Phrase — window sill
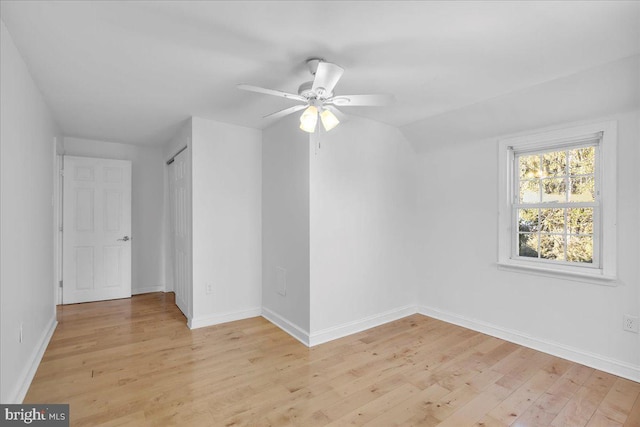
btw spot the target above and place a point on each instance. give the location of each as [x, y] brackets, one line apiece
[595, 277]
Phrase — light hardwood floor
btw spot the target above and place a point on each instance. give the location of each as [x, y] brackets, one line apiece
[134, 362]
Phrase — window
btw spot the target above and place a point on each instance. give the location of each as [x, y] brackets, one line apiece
[557, 203]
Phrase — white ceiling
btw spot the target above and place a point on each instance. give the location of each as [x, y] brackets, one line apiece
[132, 72]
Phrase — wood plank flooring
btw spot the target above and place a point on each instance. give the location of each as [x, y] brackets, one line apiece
[135, 362]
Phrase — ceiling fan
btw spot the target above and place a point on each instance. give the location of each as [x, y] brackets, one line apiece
[318, 99]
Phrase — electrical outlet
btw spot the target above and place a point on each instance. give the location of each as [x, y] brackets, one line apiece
[209, 289]
[630, 323]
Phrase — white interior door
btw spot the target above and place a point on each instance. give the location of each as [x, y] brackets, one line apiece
[96, 229]
[181, 229]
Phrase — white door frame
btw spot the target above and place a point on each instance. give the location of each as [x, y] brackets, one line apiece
[56, 203]
[57, 228]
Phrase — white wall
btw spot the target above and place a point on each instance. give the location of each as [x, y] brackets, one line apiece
[461, 283]
[362, 219]
[285, 225]
[226, 211]
[147, 203]
[26, 217]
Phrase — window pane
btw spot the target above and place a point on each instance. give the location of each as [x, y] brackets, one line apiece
[582, 189]
[529, 166]
[580, 220]
[552, 247]
[552, 220]
[528, 245]
[530, 191]
[580, 249]
[582, 161]
[554, 164]
[528, 220]
[554, 190]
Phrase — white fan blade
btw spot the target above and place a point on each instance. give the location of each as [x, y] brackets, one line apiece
[339, 114]
[327, 75]
[285, 112]
[378, 100]
[272, 92]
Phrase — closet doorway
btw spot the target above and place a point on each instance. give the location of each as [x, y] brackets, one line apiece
[180, 206]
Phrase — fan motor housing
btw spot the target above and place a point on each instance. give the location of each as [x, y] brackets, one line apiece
[306, 90]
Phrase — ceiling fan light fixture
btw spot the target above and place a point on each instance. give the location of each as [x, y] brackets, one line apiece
[316, 97]
[329, 120]
[309, 119]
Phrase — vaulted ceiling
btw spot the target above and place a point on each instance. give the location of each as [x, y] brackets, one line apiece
[132, 72]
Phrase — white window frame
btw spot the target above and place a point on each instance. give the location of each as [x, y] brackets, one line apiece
[605, 176]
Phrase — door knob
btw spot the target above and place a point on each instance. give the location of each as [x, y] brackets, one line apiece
[125, 239]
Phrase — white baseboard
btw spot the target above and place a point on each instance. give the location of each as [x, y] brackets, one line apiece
[340, 331]
[24, 382]
[216, 319]
[596, 361]
[148, 290]
[290, 328]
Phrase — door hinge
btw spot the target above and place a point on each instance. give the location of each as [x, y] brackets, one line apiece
[62, 172]
[60, 283]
